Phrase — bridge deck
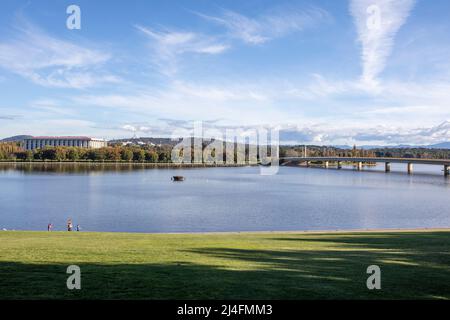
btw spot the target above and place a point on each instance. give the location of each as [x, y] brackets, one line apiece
[366, 159]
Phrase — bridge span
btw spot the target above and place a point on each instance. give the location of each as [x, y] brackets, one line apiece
[359, 161]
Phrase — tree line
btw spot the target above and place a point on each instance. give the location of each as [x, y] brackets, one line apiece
[13, 151]
[115, 153]
[324, 151]
[420, 153]
[111, 153]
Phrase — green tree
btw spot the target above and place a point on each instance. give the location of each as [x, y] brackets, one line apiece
[96, 154]
[163, 156]
[90, 155]
[29, 155]
[73, 154]
[113, 154]
[38, 155]
[48, 154]
[138, 155]
[60, 153]
[354, 151]
[126, 154]
[24, 155]
[151, 156]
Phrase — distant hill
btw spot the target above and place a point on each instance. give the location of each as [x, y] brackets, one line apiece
[399, 146]
[342, 146]
[19, 138]
[146, 140]
[443, 145]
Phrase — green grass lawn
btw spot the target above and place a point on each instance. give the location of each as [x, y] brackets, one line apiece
[225, 266]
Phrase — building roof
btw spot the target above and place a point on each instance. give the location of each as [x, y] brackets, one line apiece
[62, 138]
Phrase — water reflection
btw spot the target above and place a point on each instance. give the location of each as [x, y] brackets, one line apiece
[76, 167]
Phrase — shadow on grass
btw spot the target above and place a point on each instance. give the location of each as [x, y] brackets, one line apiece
[413, 266]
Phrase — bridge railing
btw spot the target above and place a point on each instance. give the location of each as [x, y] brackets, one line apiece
[359, 161]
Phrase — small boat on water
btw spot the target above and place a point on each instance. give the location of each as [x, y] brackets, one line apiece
[177, 178]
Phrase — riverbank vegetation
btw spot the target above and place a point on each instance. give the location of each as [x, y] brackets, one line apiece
[161, 153]
[324, 151]
[12, 151]
[112, 153]
[414, 265]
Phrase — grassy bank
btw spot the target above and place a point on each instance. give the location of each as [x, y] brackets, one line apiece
[413, 264]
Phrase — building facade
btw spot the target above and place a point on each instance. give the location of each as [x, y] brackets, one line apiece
[81, 142]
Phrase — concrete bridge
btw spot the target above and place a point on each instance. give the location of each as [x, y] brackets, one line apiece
[359, 161]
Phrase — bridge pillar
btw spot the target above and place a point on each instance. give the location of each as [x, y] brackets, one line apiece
[359, 165]
[339, 165]
[326, 164]
[410, 168]
[446, 170]
[387, 167]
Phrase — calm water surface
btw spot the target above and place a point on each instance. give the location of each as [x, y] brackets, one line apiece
[126, 198]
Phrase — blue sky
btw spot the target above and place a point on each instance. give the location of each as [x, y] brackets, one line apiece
[314, 69]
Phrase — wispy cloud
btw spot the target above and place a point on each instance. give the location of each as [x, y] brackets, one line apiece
[52, 62]
[56, 126]
[9, 117]
[377, 23]
[268, 26]
[183, 98]
[52, 107]
[167, 46]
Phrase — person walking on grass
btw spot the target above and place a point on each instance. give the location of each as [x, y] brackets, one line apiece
[78, 227]
[69, 225]
[49, 227]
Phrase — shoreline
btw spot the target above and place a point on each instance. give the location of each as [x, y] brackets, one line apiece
[337, 231]
[150, 164]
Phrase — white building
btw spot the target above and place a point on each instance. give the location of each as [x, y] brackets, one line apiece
[81, 142]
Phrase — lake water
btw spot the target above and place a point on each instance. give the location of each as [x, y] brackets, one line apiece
[132, 199]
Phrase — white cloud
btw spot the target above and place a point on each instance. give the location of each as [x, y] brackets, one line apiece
[324, 134]
[52, 62]
[419, 136]
[46, 107]
[58, 126]
[167, 46]
[343, 103]
[312, 133]
[135, 128]
[377, 35]
[266, 27]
